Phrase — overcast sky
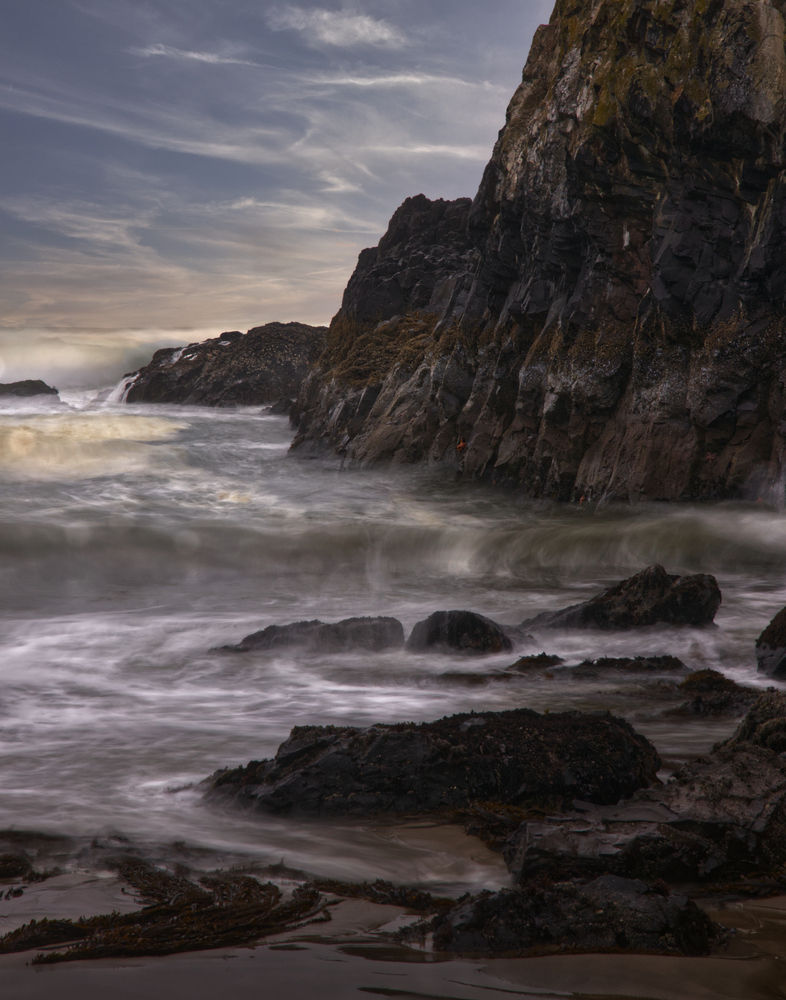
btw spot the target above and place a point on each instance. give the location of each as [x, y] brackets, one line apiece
[201, 165]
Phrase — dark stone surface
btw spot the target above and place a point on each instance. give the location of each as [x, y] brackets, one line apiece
[27, 387]
[538, 661]
[771, 647]
[607, 914]
[458, 632]
[632, 664]
[235, 369]
[352, 634]
[618, 330]
[517, 757]
[713, 694]
[721, 821]
[647, 598]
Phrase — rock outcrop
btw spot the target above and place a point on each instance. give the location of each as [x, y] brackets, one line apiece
[647, 598]
[262, 366]
[347, 636]
[607, 914]
[720, 821]
[27, 387]
[614, 325]
[517, 757]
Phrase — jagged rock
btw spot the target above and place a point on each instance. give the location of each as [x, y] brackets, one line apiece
[713, 694]
[720, 821]
[352, 634]
[771, 647]
[644, 599]
[538, 661]
[233, 369]
[608, 914]
[458, 632]
[517, 757]
[27, 387]
[630, 664]
[616, 328]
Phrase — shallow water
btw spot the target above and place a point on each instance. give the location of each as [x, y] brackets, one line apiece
[135, 539]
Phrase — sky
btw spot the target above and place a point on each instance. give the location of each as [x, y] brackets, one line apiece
[173, 169]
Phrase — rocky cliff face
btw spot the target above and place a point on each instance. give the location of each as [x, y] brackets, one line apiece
[611, 321]
[235, 369]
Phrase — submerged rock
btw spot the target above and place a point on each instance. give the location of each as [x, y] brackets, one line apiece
[516, 757]
[720, 821]
[647, 598]
[234, 369]
[771, 647]
[713, 694]
[458, 632]
[631, 664]
[370, 634]
[607, 914]
[537, 661]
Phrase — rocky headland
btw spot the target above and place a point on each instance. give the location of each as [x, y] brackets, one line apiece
[606, 317]
[265, 365]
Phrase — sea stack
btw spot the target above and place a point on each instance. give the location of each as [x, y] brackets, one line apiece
[606, 318]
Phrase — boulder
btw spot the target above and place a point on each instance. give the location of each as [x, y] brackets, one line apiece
[372, 635]
[607, 914]
[631, 664]
[765, 724]
[771, 647]
[458, 632]
[537, 661]
[647, 598]
[517, 757]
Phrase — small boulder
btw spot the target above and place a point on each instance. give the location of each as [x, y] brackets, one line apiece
[371, 635]
[647, 598]
[458, 632]
[515, 757]
[27, 387]
[538, 661]
[608, 914]
[765, 723]
[632, 664]
[771, 647]
[711, 693]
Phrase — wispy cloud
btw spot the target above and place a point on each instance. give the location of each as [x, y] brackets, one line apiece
[339, 28]
[169, 52]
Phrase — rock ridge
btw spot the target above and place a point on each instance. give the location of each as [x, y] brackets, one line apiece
[610, 323]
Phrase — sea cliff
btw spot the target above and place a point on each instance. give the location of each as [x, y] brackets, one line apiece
[606, 317]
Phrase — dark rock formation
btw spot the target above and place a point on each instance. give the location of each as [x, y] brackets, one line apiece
[630, 664]
[350, 635]
[234, 369]
[713, 694]
[518, 757]
[28, 387]
[771, 647]
[644, 599]
[458, 632]
[607, 914]
[721, 821]
[620, 330]
[539, 661]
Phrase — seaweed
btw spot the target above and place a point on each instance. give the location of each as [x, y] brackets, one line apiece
[224, 910]
[380, 891]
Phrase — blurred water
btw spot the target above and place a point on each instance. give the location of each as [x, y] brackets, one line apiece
[134, 539]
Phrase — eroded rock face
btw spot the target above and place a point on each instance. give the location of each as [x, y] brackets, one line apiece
[350, 635]
[235, 369]
[607, 914]
[644, 599]
[620, 331]
[517, 757]
[771, 647]
[458, 632]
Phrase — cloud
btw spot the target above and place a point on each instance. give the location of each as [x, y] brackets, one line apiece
[339, 28]
[170, 52]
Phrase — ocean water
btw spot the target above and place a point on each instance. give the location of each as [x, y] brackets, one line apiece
[134, 539]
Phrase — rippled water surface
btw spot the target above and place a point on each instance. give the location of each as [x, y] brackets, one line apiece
[135, 539]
